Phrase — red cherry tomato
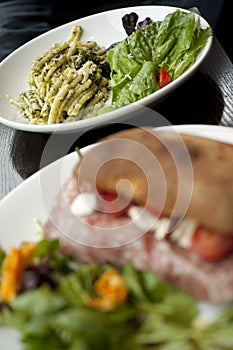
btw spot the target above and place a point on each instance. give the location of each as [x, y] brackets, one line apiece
[164, 78]
[113, 204]
[211, 245]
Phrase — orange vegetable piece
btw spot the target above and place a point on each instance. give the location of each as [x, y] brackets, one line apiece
[11, 274]
[13, 270]
[111, 288]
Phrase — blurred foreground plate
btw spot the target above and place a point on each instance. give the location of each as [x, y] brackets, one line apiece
[35, 197]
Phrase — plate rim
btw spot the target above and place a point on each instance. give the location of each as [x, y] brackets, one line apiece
[192, 128]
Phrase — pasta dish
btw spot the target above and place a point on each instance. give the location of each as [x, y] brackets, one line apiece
[67, 83]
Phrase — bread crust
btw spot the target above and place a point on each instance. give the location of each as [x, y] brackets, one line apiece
[157, 163]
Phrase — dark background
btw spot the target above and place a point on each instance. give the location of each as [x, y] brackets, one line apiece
[21, 21]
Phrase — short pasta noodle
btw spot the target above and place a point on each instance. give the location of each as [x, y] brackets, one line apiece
[66, 83]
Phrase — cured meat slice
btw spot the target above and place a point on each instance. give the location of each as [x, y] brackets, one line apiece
[100, 237]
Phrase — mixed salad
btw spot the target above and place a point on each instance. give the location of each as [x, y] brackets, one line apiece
[154, 54]
[55, 303]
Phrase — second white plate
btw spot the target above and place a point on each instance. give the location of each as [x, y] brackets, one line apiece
[26, 202]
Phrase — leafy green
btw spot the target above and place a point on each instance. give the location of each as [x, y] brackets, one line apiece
[141, 85]
[2, 256]
[37, 302]
[79, 153]
[50, 250]
[172, 44]
[155, 315]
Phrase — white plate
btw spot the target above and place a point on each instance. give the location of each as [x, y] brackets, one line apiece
[105, 28]
[26, 202]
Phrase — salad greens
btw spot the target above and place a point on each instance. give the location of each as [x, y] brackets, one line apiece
[2, 256]
[92, 307]
[172, 44]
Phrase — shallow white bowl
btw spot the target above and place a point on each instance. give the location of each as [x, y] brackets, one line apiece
[105, 28]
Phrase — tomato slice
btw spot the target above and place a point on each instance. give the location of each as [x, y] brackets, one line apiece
[211, 245]
[164, 78]
[113, 204]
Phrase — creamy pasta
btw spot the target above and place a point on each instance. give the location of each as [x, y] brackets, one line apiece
[67, 83]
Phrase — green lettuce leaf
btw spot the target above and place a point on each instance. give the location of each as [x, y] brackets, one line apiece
[139, 86]
[172, 44]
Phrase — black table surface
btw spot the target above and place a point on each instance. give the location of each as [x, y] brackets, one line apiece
[205, 98]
